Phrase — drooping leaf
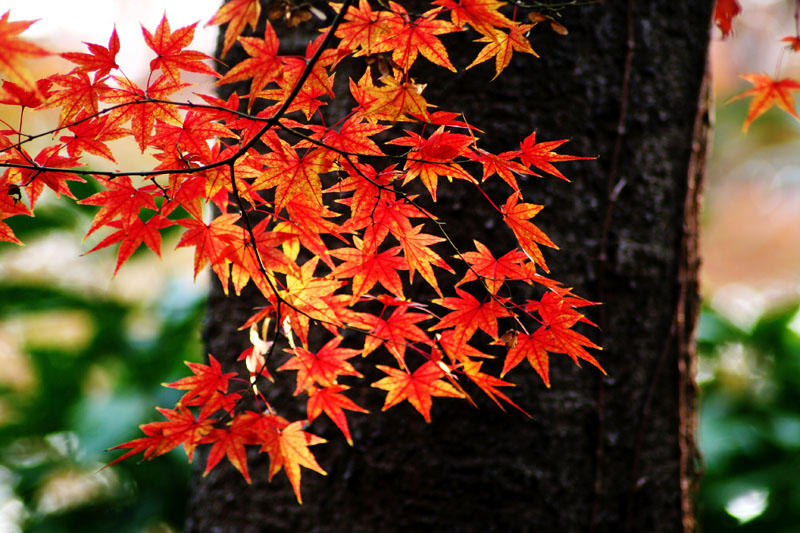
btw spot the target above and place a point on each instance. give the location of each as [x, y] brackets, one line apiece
[766, 93]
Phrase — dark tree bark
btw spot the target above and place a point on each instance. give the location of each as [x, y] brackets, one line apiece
[605, 454]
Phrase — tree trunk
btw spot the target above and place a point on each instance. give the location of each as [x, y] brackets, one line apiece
[605, 454]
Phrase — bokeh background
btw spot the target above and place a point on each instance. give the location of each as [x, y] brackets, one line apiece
[82, 353]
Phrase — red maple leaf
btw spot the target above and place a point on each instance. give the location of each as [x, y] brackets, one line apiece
[419, 255]
[794, 43]
[534, 347]
[469, 314]
[493, 271]
[482, 15]
[396, 332]
[417, 388]
[10, 207]
[90, 134]
[367, 267]
[489, 384]
[353, 136]
[34, 181]
[13, 94]
[434, 157]
[724, 13]
[323, 367]
[78, 92]
[120, 199]
[101, 60]
[141, 112]
[181, 427]
[192, 135]
[230, 442]
[500, 164]
[132, 236]
[541, 155]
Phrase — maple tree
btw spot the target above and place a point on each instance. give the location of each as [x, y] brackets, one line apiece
[326, 228]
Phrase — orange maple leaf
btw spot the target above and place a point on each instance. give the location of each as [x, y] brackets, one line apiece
[482, 15]
[172, 58]
[364, 30]
[516, 215]
[207, 380]
[263, 65]
[419, 255]
[288, 448]
[230, 442]
[408, 39]
[12, 62]
[391, 101]
[291, 174]
[766, 93]
[78, 92]
[330, 401]
[417, 388]
[181, 427]
[502, 45]
[238, 13]
[322, 367]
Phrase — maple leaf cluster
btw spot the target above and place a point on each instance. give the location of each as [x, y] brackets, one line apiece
[329, 217]
[767, 91]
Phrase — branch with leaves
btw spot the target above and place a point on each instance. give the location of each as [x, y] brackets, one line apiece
[332, 229]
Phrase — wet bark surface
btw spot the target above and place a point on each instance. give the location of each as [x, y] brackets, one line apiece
[605, 454]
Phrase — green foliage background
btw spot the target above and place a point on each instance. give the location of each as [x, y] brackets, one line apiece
[89, 396]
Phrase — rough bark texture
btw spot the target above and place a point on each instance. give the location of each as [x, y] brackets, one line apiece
[600, 454]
